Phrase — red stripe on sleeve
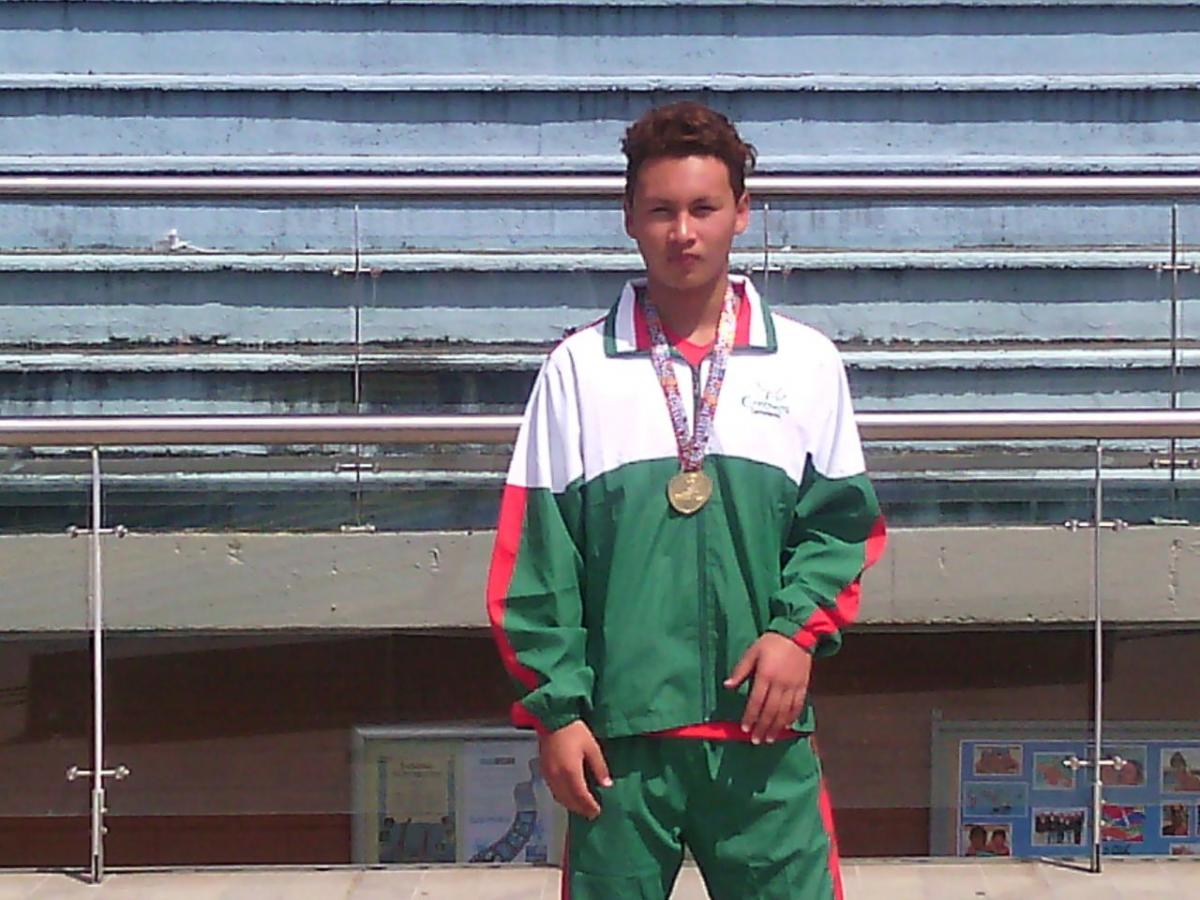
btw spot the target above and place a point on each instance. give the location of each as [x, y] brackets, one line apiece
[523, 718]
[828, 620]
[504, 561]
[819, 624]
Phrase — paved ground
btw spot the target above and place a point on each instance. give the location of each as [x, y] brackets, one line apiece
[1000, 880]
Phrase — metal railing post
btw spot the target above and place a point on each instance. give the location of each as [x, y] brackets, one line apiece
[1096, 760]
[1098, 652]
[96, 583]
[95, 594]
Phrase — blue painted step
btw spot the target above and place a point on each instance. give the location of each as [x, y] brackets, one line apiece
[609, 38]
[420, 124]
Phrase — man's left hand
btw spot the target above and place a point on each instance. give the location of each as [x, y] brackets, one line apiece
[781, 669]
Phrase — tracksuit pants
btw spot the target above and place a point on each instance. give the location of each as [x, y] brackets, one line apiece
[756, 819]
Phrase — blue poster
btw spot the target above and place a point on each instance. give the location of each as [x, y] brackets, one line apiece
[1018, 798]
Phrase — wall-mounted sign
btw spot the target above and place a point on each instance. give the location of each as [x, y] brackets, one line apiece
[451, 795]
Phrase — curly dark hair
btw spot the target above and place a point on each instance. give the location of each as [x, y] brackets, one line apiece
[683, 129]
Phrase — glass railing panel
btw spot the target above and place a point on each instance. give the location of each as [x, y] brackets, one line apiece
[316, 748]
[971, 660]
[317, 686]
[45, 668]
[932, 737]
[1152, 720]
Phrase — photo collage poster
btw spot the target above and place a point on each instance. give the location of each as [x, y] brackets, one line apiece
[1017, 798]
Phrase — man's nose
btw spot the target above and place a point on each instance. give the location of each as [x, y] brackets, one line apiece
[682, 228]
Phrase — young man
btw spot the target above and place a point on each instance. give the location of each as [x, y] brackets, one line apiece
[683, 529]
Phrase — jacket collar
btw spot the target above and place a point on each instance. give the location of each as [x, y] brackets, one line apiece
[621, 332]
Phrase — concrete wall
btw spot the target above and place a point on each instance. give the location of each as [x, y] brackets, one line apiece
[953, 576]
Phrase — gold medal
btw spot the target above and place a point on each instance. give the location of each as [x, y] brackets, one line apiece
[689, 491]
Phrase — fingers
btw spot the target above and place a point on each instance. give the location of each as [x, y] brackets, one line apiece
[569, 788]
[744, 667]
[767, 715]
[781, 672]
[785, 715]
[754, 706]
[778, 708]
[567, 768]
[579, 797]
[596, 762]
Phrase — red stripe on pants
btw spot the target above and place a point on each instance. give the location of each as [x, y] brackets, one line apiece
[835, 864]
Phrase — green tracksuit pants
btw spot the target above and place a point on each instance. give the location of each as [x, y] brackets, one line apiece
[755, 818]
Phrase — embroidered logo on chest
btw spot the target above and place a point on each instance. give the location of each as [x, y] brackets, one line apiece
[766, 401]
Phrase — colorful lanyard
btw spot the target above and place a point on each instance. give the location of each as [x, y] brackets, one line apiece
[693, 449]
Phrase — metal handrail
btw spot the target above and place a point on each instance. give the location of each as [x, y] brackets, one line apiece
[100, 431]
[522, 186]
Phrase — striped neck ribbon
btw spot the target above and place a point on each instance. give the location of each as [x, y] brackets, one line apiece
[692, 449]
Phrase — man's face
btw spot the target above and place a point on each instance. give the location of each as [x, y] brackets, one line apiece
[684, 216]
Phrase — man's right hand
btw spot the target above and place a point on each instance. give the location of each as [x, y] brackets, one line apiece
[564, 755]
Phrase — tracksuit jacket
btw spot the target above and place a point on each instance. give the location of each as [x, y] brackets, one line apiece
[605, 603]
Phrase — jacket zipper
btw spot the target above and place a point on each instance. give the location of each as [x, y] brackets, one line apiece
[702, 580]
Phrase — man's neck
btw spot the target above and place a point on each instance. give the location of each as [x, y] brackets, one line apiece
[692, 315]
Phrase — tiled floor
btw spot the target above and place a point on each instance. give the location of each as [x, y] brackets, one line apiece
[1002, 880]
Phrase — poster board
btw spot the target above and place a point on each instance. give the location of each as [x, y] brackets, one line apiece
[451, 794]
[1001, 789]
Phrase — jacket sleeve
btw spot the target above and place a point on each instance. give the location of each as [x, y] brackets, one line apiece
[837, 531]
[534, 590]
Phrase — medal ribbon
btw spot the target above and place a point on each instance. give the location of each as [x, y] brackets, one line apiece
[692, 449]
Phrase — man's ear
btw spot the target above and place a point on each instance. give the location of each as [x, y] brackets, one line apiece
[742, 221]
[627, 208]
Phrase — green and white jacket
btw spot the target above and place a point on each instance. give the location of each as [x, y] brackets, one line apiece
[609, 606]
